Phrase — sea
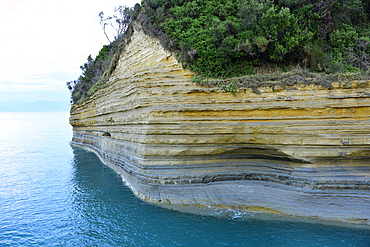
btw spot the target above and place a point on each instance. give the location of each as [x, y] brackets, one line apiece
[53, 194]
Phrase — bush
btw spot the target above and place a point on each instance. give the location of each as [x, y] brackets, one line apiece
[343, 38]
[316, 58]
[95, 72]
[206, 32]
[283, 29]
[358, 55]
[223, 38]
[231, 38]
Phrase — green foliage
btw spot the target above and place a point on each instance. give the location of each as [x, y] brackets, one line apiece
[315, 56]
[262, 43]
[92, 72]
[231, 38]
[206, 34]
[231, 87]
[282, 27]
[222, 38]
[343, 38]
[251, 12]
[95, 72]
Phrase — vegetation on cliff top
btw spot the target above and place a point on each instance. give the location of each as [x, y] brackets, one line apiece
[226, 38]
[233, 38]
[96, 72]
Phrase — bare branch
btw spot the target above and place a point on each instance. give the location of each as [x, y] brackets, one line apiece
[119, 22]
[103, 24]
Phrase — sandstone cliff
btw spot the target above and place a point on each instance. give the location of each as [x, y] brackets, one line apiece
[301, 151]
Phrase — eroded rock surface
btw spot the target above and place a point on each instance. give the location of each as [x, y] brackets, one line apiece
[302, 151]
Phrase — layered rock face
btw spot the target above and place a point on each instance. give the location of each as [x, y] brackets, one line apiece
[301, 151]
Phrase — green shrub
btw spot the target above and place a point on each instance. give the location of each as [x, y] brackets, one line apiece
[358, 55]
[316, 58]
[343, 38]
[262, 43]
[92, 72]
[221, 38]
[284, 31]
[230, 38]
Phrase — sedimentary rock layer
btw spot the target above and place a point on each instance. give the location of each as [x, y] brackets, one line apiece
[303, 150]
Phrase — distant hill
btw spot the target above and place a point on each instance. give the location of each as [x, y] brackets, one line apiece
[42, 105]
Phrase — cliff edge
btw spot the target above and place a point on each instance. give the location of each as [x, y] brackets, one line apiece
[303, 150]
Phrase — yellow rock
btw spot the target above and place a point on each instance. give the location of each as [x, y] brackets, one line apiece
[302, 152]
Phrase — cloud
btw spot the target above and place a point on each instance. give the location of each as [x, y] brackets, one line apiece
[44, 42]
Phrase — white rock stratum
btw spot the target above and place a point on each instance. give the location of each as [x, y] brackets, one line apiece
[299, 151]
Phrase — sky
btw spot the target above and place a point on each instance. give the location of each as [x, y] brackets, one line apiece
[43, 43]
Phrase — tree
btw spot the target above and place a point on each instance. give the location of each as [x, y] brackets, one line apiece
[282, 27]
[117, 24]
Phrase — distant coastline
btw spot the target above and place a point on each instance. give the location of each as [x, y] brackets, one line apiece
[42, 105]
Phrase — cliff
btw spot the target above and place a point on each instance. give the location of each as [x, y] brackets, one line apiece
[303, 150]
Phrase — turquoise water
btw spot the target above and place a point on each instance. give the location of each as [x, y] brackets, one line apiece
[54, 195]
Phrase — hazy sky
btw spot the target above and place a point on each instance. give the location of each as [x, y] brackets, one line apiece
[44, 42]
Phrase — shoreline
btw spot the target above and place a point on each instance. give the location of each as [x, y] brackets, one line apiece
[216, 209]
[302, 150]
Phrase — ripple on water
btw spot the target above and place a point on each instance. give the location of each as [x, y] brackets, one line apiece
[55, 195]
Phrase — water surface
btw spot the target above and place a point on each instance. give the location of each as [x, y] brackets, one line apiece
[54, 195]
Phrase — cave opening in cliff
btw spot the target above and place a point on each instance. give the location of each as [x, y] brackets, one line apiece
[107, 134]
